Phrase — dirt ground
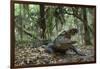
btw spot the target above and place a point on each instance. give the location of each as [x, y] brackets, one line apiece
[27, 55]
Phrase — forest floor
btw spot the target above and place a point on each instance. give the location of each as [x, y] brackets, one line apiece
[26, 55]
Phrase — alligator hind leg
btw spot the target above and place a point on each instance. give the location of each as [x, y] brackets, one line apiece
[75, 50]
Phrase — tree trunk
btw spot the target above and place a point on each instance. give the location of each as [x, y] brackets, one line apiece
[21, 33]
[42, 21]
[86, 32]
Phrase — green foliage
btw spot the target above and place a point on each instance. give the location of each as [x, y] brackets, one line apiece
[57, 19]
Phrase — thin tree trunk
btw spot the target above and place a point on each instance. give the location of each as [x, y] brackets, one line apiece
[21, 34]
